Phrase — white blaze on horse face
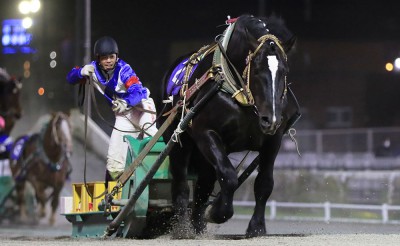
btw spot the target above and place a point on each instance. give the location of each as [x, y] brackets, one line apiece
[273, 68]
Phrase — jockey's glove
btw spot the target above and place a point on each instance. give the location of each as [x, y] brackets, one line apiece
[87, 69]
[119, 105]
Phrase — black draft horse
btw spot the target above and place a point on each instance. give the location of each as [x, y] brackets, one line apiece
[256, 50]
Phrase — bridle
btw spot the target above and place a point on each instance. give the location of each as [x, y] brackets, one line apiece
[244, 95]
[246, 73]
[263, 39]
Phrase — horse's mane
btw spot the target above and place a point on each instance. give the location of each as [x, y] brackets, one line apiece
[249, 25]
[4, 76]
[277, 26]
[260, 26]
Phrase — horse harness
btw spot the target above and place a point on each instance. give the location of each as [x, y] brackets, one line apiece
[220, 70]
[40, 153]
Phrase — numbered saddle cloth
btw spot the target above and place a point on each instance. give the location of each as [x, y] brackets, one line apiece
[176, 79]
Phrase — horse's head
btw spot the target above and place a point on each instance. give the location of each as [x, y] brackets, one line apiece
[61, 135]
[258, 49]
[10, 107]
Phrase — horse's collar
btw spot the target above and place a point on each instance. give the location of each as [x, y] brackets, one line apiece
[241, 93]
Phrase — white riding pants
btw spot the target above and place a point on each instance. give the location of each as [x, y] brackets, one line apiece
[117, 149]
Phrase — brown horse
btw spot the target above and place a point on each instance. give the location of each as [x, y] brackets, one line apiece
[10, 107]
[43, 160]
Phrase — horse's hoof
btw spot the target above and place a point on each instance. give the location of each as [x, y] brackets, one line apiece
[200, 227]
[183, 231]
[256, 230]
[212, 216]
[52, 221]
[257, 233]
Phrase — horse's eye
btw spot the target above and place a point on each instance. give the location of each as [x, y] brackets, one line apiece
[271, 43]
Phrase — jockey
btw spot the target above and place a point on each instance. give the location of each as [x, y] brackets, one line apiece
[6, 143]
[126, 95]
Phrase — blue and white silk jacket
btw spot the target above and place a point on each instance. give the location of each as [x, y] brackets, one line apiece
[123, 84]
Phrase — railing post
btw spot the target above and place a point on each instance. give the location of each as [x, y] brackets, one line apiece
[319, 142]
[272, 208]
[327, 211]
[385, 213]
[370, 141]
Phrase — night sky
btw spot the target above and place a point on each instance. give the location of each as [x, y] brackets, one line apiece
[146, 29]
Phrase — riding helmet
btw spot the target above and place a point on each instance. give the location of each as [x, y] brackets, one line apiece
[105, 46]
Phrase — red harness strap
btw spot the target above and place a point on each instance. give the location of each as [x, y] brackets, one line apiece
[198, 84]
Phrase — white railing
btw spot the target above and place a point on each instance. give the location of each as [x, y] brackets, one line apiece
[349, 140]
[327, 208]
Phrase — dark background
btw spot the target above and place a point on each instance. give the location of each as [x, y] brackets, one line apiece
[341, 52]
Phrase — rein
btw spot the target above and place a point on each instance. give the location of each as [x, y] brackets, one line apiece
[92, 96]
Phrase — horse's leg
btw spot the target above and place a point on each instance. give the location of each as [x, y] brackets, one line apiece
[263, 186]
[54, 204]
[20, 199]
[202, 191]
[179, 158]
[213, 150]
[41, 197]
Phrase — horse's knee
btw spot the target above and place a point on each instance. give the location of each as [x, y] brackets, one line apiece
[42, 211]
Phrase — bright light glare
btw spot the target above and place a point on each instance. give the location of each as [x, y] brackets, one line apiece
[397, 63]
[41, 91]
[27, 74]
[27, 22]
[53, 64]
[27, 65]
[389, 67]
[24, 7]
[53, 55]
[35, 6]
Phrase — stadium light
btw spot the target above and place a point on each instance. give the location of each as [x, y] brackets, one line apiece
[397, 63]
[25, 7]
[27, 22]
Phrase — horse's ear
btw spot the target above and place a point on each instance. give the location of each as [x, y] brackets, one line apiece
[288, 45]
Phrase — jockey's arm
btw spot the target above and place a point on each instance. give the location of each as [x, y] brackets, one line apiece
[135, 91]
[74, 76]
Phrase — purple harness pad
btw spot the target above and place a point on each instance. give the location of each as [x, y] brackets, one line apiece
[176, 79]
[18, 147]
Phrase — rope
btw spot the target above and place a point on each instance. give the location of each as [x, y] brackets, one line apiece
[292, 132]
